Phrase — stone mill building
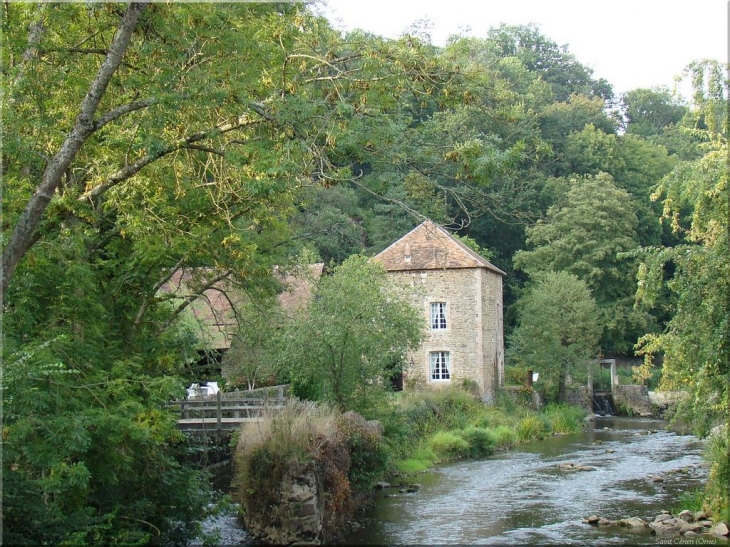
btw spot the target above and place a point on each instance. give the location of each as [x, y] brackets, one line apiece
[460, 295]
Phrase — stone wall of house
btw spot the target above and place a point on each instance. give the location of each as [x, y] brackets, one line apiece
[473, 335]
[492, 331]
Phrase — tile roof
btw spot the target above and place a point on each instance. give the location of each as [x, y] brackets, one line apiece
[430, 247]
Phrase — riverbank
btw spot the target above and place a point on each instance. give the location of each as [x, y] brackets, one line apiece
[423, 429]
[528, 496]
[305, 474]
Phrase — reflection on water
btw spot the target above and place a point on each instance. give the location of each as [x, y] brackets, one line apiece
[521, 497]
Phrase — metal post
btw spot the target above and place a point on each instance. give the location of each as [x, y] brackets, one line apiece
[614, 376]
[218, 410]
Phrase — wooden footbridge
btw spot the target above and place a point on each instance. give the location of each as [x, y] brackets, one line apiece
[227, 411]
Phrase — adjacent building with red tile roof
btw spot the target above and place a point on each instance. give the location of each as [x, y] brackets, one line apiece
[216, 310]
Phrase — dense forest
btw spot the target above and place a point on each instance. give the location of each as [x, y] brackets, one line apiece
[142, 139]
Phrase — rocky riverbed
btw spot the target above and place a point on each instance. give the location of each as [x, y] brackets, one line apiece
[686, 523]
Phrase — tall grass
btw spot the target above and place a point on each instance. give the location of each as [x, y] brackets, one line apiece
[531, 428]
[717, 454]
[296, 432]
[448, 445]
[564, 418]
[506, 436]
[481, 442]
[441, 421]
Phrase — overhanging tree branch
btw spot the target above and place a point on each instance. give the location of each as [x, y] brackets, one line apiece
[132, 169]
[21, 238]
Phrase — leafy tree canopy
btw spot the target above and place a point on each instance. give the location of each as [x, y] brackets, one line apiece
[345, 347]
[558, 331]
[585, 235]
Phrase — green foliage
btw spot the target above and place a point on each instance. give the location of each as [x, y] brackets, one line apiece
[558, 331]
[694, 344]
[564, 418]
[690, 500]
[649, 111]
[717, 454]
[351, 339]
[448, 445]
[369, 458]
[432, 420]
[250, 360]
[482, 442]
[585, 236]
[553, 63]
[531, 428]
[506, 437]
[200, 161]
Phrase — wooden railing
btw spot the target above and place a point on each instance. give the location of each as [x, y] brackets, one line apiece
[229, 410]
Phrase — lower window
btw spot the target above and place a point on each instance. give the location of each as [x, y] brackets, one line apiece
[440, 365]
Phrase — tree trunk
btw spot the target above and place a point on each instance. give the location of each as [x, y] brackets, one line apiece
[23, 235]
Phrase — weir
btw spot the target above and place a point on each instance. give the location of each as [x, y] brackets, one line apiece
[602, 388]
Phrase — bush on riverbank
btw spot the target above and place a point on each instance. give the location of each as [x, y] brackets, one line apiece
[299, 473]
[717, 454]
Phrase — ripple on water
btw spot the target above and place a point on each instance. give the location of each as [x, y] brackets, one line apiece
[521, 497]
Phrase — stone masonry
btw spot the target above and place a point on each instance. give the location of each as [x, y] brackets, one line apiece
[432, 266]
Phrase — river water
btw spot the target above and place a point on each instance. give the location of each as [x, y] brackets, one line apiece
[521, 497]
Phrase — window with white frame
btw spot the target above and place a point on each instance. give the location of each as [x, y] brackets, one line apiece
[440, 365]
[438, 315]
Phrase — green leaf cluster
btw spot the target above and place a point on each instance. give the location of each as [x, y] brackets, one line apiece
[354, 336]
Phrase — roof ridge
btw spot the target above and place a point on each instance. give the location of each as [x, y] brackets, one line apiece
[432, 229]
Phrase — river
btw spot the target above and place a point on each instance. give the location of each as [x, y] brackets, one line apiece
[521, 497]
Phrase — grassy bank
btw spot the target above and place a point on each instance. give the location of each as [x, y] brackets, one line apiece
[426, 428]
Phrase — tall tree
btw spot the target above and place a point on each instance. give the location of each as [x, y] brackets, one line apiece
[345, 347]
[649, 111]
[554, 63]
[695, 343]
[585, 234]
[558, 331]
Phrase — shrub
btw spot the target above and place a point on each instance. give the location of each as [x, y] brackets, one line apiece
[454, 407]
[717, 454]
[422, 459]
[481, 441]
[564, 418]
[530, 428]
[448, 445]
[369, 457]
[506, 437]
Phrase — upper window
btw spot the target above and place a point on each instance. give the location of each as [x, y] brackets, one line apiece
[438, 315]
[440, 365]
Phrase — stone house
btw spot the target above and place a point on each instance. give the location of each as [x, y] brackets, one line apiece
[460, 295]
